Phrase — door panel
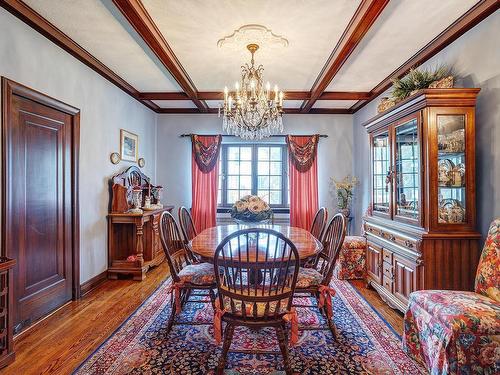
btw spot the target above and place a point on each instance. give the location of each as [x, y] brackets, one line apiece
[405, 279]
[374, 262]
[38, 212]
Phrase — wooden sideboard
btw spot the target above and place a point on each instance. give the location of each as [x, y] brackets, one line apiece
[133, 238]
[421, 223]
[6, 315]
[136, 235]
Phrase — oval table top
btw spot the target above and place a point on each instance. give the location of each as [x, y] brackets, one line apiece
[206, 242]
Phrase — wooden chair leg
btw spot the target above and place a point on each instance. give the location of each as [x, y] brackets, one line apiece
[228, 338]
[171, 319]
[212, 297]
[332, 327]
[283, 343]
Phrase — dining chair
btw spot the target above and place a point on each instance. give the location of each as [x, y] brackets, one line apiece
[186, 274]
[256, 280]
[187, 225]
[315, 281]
[319, 223]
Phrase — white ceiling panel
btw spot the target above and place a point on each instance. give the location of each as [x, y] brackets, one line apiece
[174, 103]
[90, 24]
[213, 103]
[292, 103]
[192, 28]
[334, 103]
[403, 28]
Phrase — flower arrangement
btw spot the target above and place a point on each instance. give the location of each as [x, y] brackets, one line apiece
[417, 79]
[344, 190]
[251, 208]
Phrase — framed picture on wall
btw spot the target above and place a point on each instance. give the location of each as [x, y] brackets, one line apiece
[129, 145]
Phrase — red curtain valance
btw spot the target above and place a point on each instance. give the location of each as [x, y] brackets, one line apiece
[206, 156]
[303, 156]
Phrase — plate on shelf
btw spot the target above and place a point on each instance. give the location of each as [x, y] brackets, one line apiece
[445, 168]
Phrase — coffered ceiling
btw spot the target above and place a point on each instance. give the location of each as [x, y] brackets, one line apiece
[341, 53]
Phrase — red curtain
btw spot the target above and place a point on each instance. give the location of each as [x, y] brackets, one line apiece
[302, 151]
[205, 177]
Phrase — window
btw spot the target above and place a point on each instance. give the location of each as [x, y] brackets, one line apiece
[258, 169]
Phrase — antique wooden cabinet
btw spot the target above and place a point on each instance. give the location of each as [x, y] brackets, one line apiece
[421, 222]
[6, 314]
[133, 238]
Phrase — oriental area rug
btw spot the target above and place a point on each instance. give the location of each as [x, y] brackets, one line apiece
[366, 344]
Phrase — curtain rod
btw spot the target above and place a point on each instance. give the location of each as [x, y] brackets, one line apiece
[276, 135]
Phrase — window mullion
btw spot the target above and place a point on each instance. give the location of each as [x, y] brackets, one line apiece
[254, 169]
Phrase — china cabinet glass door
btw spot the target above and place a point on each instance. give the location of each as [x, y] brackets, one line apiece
[407, 170]
[451, 169]
[381, 173]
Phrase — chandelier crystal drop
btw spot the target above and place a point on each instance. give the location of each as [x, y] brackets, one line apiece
[252, 110]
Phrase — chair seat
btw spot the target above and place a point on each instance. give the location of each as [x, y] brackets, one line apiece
[281, 306]
[308, 277]
[449, 331]
[459, 311]
[199, 274]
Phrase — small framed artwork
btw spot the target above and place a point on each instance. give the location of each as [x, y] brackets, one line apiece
[129, 145]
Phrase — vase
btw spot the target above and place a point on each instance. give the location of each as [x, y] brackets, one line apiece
[136, 201]
[346, 212]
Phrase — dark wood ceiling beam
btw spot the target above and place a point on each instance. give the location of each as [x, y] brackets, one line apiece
[470, 19]
[48, 30]
[289, 95]
[141, 21]
[329, 111]
[366, 14]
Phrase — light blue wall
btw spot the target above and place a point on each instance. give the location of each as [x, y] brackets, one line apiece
[31, 59]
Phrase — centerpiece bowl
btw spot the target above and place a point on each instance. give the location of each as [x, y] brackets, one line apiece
[251, 210]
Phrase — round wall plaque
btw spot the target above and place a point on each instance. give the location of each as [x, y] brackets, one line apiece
[141, 162]
[115, 157]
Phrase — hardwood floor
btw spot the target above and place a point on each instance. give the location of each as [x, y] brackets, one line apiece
[391, 316]
[59, 343]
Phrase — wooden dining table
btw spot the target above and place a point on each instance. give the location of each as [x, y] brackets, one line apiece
[206, 242]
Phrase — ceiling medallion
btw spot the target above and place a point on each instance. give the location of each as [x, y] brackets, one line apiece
[252, 110]
[252, 33]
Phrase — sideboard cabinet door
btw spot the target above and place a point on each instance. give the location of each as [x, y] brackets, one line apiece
[374, 262]
[405, 278]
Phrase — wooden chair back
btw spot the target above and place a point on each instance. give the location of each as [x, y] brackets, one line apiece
[257, 273]
[176, 251]
[187, 225]
[319, 223]
[333, 240]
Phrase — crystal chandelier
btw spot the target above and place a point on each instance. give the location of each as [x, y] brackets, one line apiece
[252, 111]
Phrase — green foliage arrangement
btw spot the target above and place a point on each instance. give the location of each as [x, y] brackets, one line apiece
[417, 79]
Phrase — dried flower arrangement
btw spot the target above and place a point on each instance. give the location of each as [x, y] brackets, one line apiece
[344, 190]
[417, 79]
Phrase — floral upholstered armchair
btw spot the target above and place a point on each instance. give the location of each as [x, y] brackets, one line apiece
[457, 332]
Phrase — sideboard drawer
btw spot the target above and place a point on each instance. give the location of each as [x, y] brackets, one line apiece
[387, 256]
[394, 237]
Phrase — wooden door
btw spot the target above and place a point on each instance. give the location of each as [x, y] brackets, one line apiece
[404, 278]
[374, 262]
[38, 217]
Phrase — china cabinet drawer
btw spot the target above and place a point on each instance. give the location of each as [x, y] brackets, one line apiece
[387, 283]
[393, 237]
[387, 256]
[387, 270]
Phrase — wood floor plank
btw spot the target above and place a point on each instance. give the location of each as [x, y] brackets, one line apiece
[59, 343]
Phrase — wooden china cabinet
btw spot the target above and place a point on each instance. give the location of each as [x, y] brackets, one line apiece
[421, 227]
